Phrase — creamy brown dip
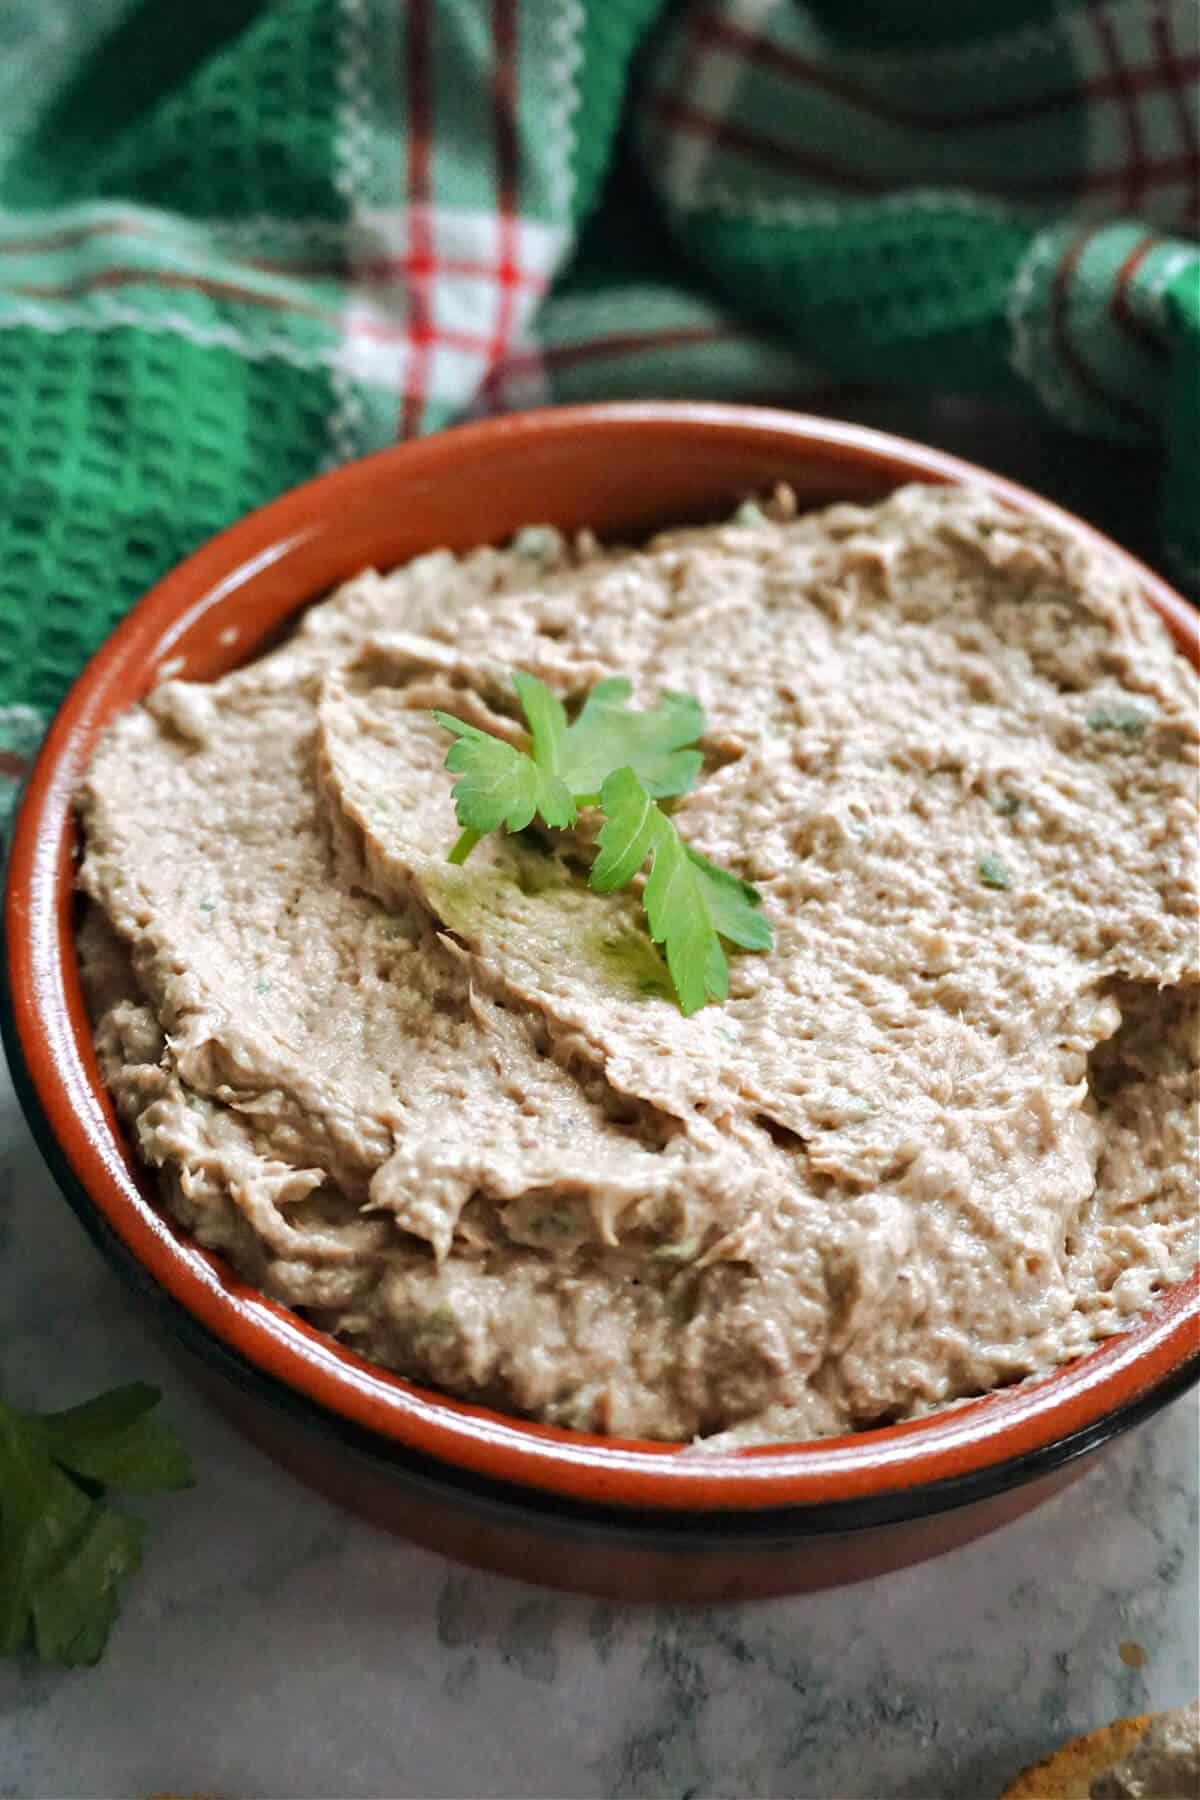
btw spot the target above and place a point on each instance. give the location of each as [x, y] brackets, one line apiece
[1164, 1764]
[942, 1137]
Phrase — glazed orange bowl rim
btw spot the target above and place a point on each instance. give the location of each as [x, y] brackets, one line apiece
[615, 466]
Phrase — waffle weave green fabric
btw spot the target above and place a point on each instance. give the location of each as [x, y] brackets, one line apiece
[243, 241]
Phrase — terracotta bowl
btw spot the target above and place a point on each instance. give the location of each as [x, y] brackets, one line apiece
[595, 1514]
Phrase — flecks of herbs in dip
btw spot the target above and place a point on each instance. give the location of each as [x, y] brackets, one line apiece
[993, 872]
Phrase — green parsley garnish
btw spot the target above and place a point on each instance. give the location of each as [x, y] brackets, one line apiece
[690, 903]
[1119, 715]
[993, 872]
[63, 1551]
[566, 764]
[624, 762]
[1005, 803]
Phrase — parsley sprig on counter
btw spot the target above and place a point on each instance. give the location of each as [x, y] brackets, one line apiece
[64, 1552]
[623, 762]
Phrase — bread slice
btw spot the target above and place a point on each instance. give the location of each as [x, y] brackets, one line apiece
[1070, 1772]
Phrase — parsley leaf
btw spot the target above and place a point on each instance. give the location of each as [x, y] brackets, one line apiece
[690, 903]
[63, 1551]
[607, 735]
[113, 1440]
[566, 764]
[547, 721]
[624, 761]
[500, 785]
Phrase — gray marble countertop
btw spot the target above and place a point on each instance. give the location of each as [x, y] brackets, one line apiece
[273, 1646]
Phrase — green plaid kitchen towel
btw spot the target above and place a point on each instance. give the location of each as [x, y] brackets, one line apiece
[240, 241]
